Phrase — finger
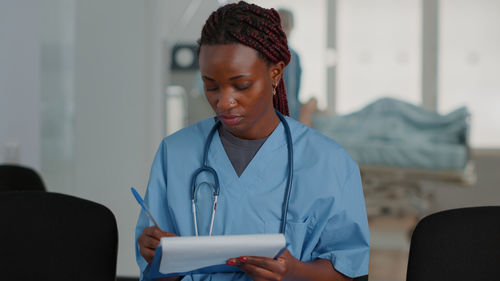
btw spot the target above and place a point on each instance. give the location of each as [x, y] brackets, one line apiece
[167, 234]
[147, 234]
[149, 242]
[256, 272]
[270, 264]
[156, 232]
[236, 261]
[149, 231]
[147, 254]
[233, 262]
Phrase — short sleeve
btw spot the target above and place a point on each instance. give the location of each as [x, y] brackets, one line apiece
[345, 240]
[156, 203]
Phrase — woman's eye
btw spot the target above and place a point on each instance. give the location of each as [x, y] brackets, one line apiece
[243, 86]
[210, 88]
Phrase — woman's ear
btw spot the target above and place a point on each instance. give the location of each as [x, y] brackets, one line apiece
[276, 71]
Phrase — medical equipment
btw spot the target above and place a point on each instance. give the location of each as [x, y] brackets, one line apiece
[216, 186]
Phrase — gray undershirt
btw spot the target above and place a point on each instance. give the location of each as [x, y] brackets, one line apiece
[239, 151]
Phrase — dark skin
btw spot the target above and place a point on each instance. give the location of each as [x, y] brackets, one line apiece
[148, 241]
[239, 87]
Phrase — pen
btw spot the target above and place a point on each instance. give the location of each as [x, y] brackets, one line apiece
[141, 202]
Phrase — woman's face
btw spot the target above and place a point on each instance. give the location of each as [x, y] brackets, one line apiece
[238, 85]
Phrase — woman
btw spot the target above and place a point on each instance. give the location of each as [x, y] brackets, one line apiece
[243, 52]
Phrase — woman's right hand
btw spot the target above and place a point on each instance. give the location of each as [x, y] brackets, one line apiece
[149, 240]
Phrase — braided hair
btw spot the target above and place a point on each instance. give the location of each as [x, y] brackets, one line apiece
[255, 27]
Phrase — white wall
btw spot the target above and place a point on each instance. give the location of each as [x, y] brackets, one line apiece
[469, 59]
[57, 75]
[20, 81]
[111, 138]
[121, 71]
[378, 52]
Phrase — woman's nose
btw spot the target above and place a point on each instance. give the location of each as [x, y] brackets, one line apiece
[226, 100]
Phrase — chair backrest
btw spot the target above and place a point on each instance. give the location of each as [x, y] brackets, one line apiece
[458, 244]
[19, 178]
[361, 278]
[50, 236]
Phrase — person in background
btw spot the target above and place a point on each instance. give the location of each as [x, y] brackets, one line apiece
[293, 70]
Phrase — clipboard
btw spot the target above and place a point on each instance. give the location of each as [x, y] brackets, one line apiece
[270, 245]
[154, 270]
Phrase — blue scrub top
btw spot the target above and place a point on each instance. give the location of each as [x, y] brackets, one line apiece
[326, 214]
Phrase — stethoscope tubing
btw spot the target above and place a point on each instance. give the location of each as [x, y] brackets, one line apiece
[288, 189]
[216, 186]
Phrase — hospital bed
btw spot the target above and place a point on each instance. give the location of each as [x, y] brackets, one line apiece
[400, 148]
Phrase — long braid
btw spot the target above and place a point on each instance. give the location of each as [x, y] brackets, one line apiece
[255, 27]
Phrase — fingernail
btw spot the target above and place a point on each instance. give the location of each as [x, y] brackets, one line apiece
[231, 262]
[243, 259]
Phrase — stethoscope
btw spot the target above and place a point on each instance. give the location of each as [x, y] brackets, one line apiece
[216, 188]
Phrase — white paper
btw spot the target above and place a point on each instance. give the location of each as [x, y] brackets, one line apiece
[188, 253]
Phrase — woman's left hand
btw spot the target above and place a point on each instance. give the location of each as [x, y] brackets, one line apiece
[264, 268]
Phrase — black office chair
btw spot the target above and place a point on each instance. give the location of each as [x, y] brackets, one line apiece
[361, 278]
[19, 178]
[459, 244]
[50, 236]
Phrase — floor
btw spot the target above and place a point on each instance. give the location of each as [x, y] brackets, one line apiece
[390, 244]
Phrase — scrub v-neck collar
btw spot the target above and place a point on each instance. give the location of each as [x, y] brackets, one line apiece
[218, 159]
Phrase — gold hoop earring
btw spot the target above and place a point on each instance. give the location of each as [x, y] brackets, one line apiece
[274, 90]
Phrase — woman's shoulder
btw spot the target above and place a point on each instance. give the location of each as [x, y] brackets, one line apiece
[191, 135]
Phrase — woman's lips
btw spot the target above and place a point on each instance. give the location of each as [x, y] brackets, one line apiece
[229, 120]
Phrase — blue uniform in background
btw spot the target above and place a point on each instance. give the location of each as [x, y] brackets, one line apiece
[291, 76]
[326, 213]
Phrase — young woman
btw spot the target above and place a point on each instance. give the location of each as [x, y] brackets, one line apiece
[243, 52]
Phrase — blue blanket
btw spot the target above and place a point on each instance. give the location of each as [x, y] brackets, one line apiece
[389, 132]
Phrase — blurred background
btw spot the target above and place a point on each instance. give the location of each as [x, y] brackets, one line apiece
[88, 88]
